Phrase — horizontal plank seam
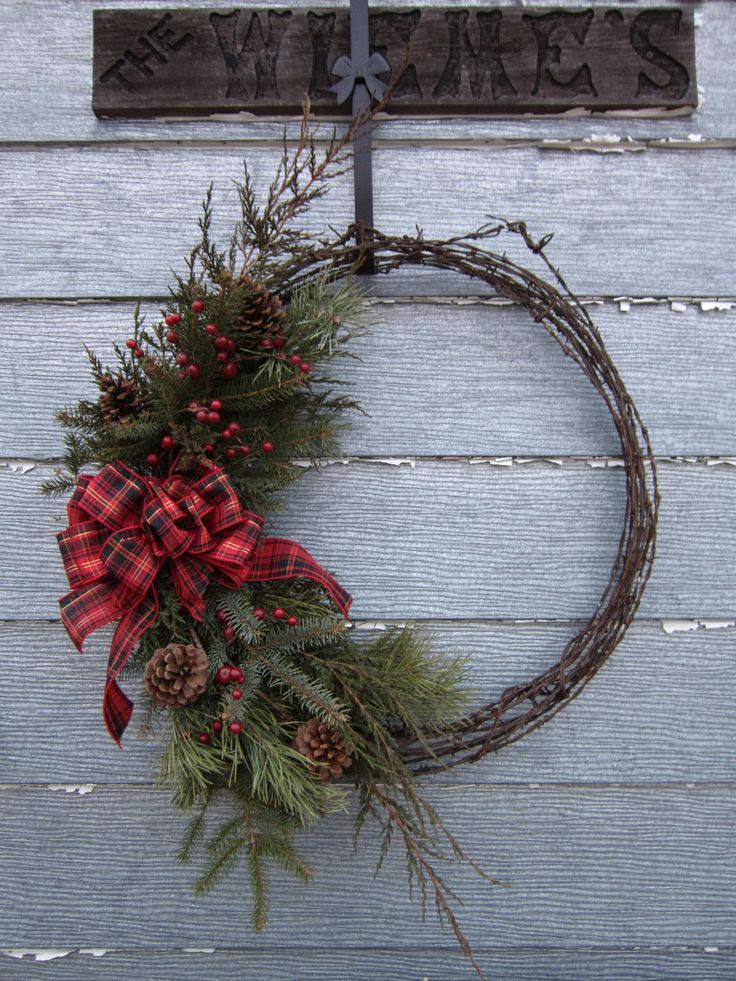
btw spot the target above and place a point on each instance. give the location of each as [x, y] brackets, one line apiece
[608, 145]
[501, 461]
[422, 299]
[420, 950]
[431, 621]
[542, 786]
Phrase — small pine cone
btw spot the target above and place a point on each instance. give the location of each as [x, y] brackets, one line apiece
[261, 311]
[324, 747]
[177, 674]
[121, 398]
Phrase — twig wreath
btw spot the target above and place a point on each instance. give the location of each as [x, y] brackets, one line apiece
[253, 680]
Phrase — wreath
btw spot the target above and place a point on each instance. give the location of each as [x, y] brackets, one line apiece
[253, 679]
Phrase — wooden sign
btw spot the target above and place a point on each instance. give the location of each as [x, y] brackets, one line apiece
[449, 60]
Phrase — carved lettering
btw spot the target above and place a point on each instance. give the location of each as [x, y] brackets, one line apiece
[257, 54]
[463, 60]
[548, 53]
[391, 34]
[321, 28]
[679, 79]
[451, 58]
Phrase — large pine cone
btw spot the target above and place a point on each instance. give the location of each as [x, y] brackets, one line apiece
[121, 398]
[261, 311]
[177, 674]
[324, 747]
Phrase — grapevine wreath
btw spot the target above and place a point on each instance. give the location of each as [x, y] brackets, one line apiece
[254, 682]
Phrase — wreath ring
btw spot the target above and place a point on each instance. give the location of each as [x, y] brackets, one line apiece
[524, 707]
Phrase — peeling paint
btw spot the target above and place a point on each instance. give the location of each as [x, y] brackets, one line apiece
[390, 461]
[718, 305]
[677, 307]
[728, 461]
[197, 950]
[19, 466]
[510, 461]
[73, 788]
[685, 626]
[51, 953]
[604, 463]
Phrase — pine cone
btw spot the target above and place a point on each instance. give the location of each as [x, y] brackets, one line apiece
[121, 398]
[261, 311]
[324, 746]
[177, 674]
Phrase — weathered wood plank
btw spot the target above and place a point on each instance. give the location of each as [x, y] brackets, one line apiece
[188, 62]
[358, 963]
[58, 37]
[457, 541]
[586, 867]
[649, 716]
[630, 208]
[523, 396]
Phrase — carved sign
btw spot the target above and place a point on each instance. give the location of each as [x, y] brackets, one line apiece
[506, 60]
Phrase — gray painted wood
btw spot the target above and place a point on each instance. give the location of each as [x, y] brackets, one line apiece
[350, 963]
[582, 865]
[650, 716]
[57, 37]
[112, 222]
[521, 394]
[530, 541]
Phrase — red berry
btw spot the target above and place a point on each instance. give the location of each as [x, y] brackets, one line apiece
[237, 694]
[194, 404]
[234, 427]
[198, 306]
[222, 356]
[226, 434]
[139, 353]
[259, 613]
[304, 367]
[223, 676]
[230, 370]
[193, 372]
[166, 443]
[204, 738]
[216, 405]
[209, 449]
[230, 345]
[293, 621]
[213, 418]
[295, 359]
[278, 613]
[221, 342]
[202, 415]
[229, 634]
[182, 358]
[211, 328]
[172, 337]
[279, 341]
[244, 450]
[217, 725]
[221, 616]
[236, 728]
[132, 344]
[267, 445]
[172, 319]
[240, 678]
[266, 343]
[230, 453]
[152, 459]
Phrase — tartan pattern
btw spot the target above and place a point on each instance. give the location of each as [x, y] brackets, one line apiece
[124, 527]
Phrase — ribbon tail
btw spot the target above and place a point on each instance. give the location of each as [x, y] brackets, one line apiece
[86, 609]
[117, 708]
[280, 558]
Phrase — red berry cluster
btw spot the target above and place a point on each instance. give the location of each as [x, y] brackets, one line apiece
[278, 614]
[133, 345]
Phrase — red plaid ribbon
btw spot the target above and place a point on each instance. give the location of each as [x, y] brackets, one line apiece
[123, 528]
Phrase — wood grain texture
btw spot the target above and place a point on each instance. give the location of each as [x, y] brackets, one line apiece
[349, 963]
[111, 222]
[521, 395]
[57, 36]
[649, 717]
[530, 541]
[582, 866]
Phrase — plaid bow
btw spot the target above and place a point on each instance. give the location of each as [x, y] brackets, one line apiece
[124, 527]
